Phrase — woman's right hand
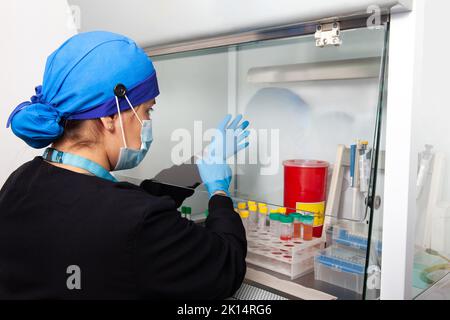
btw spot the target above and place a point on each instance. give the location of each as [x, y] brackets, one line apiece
[216, 177]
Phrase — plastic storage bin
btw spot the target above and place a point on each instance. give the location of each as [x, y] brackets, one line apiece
[342, 267]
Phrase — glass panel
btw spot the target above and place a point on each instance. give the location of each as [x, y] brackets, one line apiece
[309, 118]
[194, 96]
[304, 103]
[432, 246]
[432, 233]
[374, 211]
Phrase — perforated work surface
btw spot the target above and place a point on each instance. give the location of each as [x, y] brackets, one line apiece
[248, 292]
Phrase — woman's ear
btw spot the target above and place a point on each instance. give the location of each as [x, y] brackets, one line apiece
[108, 123]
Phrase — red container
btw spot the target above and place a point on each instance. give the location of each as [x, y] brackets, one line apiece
[305, 181]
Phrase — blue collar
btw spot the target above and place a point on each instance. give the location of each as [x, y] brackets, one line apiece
[57, 156]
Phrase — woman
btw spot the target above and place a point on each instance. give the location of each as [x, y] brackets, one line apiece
[69, 230]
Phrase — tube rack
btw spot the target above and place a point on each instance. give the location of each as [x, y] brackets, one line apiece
[291, 258]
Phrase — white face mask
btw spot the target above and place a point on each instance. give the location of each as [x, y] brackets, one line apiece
[131, 158]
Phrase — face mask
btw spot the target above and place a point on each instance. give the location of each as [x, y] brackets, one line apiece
[131, 158]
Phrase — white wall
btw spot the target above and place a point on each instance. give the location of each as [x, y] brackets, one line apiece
[31, 31]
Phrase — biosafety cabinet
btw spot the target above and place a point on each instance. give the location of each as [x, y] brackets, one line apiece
[349, 84]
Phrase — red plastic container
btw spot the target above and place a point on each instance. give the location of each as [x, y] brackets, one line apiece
[305, 181]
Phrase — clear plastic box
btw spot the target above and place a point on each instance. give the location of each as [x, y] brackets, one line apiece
[291, 258]
[350, 281]
[342, 267]
[344, 236]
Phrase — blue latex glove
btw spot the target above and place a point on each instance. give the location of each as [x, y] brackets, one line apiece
[216, 177]
[228, 141]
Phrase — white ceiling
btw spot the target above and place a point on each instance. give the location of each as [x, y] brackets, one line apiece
[152, 23]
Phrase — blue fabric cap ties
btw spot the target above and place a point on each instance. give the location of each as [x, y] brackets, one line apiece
[45, 118]
[36, 99]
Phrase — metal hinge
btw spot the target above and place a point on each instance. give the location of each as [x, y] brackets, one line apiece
[328, 34]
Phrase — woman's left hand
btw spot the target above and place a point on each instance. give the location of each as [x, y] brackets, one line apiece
[229, 139]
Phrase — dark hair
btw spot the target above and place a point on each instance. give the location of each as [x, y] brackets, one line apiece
[81, 133]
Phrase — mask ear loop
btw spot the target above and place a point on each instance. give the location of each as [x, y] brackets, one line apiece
[121, 123]
[129, 103]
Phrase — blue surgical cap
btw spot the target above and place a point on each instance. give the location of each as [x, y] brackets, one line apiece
[79, 82]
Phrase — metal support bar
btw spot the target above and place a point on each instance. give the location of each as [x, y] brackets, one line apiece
[296, 30]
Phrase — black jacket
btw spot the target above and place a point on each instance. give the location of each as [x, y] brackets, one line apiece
[128, 242]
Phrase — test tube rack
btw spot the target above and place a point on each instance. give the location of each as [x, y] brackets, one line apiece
[291, 258]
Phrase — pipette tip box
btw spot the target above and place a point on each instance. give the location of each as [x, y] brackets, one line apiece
[342, 267]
